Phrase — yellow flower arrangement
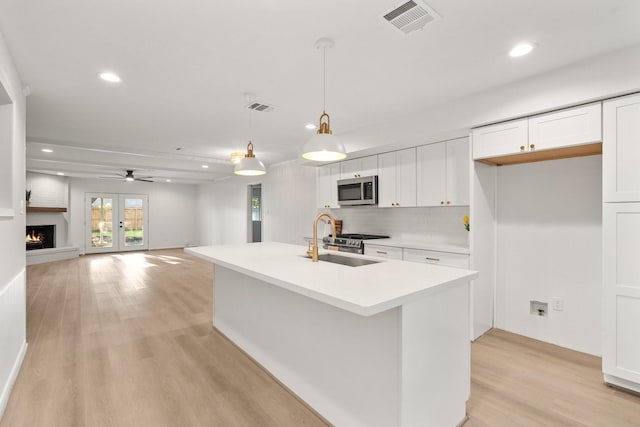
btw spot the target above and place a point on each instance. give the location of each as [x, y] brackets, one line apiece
[465, 220]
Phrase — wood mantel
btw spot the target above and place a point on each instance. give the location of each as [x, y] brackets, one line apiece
[45, 209]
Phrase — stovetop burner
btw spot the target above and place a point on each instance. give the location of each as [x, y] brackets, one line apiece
[361, 236]
[350, 242]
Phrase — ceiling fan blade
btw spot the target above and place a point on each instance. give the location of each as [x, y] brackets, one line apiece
[142, 179]
[112, 177]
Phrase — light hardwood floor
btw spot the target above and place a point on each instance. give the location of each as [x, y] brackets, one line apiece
[126, 340]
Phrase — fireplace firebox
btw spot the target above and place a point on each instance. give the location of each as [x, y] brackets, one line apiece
[40, 237]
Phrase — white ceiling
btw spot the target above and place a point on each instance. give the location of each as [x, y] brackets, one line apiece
[186, 65]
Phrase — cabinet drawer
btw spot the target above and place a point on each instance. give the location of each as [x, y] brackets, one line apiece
[434, 257]
[390, 252]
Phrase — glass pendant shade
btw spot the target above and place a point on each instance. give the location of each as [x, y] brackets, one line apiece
[324, 146]
[250, 165]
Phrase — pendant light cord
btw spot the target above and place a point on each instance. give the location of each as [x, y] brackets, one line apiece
[324, 79]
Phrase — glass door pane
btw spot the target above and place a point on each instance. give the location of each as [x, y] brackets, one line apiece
[101, 214]
[101, 222]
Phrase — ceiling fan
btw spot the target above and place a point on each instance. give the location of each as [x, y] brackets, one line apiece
[130, 177]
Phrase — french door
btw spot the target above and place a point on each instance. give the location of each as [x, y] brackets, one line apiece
[116, 222]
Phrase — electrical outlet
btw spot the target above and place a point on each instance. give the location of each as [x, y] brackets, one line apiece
[538, 308]
[557, 304]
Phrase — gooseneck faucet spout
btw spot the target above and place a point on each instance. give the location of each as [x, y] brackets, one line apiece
[313, 252]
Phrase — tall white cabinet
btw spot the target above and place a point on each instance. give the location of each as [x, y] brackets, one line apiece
[621, 242]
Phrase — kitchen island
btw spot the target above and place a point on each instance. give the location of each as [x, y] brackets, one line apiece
[383, 344]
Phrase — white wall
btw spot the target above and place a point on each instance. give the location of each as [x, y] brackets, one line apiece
[434, 224]
[48, 190]
[550, 245]
[172, 210]
[288, 206]
[12, 253]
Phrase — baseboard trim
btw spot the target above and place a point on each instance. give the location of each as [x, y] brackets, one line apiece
[6, 392]
[622, 384]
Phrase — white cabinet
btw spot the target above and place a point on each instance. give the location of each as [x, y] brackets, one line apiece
[390, 252]
[356, 168]
[621, 242]
[535, 136]
[327, 186]
[621, 294]
[397, 178]
[436, 257]
[443, 173]
[573, 126]
[621, 150]
[501, 139]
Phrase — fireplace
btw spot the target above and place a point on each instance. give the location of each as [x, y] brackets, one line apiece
[40, 237]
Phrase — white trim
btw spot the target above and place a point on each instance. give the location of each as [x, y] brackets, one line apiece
[6, 392]
[7, 213]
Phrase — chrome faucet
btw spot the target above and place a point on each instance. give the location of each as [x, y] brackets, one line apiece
[313, 252]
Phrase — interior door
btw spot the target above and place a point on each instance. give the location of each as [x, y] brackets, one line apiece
[132, 222]
[116, 222]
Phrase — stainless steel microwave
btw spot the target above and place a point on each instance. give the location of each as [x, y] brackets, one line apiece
[358, 191]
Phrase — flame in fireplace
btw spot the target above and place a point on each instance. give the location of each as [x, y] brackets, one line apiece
[33, 237]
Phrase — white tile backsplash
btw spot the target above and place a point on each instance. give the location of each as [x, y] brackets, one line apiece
[436, 224]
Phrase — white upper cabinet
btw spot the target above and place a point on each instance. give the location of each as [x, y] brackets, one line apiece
[621, 150]
[356, 168]
[501, 139]
[574, 126]
[327, 186]
[566, 133]
[397, 178]
[443, 173]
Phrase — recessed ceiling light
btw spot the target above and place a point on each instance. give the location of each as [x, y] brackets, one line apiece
[168, 180]
[310, 126]
[205, 166]
[110, 77]
[521, 50]
[47, 150]
[60, 173]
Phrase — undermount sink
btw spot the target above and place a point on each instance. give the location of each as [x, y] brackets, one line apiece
[351, 262]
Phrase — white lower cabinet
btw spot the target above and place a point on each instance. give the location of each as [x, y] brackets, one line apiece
[436, 257]
[621, 294]
[390, 252]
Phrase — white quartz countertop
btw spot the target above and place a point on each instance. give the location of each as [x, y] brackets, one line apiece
[364, 290]
[417, 244]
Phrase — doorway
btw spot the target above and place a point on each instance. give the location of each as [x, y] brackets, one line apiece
[116, 222]
[255, 213]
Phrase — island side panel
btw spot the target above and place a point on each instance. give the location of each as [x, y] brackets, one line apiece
[436, 358]
[345, 366]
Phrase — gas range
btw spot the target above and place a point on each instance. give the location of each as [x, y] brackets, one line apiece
[350, 242]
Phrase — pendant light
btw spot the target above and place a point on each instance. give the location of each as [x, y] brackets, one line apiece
[324, 146]
[249, 165]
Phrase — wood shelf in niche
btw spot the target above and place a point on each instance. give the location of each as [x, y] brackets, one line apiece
[45, 209]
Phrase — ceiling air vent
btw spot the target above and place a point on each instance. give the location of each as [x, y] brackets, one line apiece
[411, 16]
[256, 106]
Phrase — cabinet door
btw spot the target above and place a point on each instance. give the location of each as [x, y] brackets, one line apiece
[621, 291]
[621, 150]
[573, 126]
[390, 252]
[431, 174]
[387, 179]
[436, 257]
[369, 166]
[501, 139]
[327, 186]
[406, 178]
[458, 166]
[365, 166]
